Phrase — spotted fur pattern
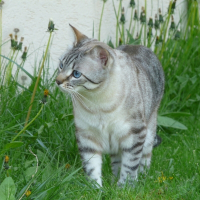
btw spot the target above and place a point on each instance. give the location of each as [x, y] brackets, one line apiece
[115, 103]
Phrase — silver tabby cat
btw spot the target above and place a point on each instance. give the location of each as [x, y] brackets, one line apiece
[116, 94]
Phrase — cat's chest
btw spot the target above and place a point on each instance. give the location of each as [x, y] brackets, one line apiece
[99, 122]
[105, 128]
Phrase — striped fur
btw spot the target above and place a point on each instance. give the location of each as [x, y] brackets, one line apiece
[115, 103]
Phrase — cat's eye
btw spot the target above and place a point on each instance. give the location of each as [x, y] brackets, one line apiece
[61, 65]
[76, 74]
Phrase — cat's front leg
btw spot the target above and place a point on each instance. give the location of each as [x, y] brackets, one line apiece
[91, 157]
[132, 147]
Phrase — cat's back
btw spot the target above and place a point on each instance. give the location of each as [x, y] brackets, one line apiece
[148, 65]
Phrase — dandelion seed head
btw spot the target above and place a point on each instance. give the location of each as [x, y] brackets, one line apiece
[16, 30]
[23, 78]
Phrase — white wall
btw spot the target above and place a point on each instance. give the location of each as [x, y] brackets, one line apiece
[32, 16]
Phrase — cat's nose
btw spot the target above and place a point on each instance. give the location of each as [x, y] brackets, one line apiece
[58, 82]
[60, 79]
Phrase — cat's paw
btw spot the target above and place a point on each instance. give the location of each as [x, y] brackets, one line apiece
[157, 141]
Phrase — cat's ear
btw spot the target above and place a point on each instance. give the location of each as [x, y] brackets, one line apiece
[102, 54]
[79, 36]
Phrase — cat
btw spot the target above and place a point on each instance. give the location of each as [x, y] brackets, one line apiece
[116, 95]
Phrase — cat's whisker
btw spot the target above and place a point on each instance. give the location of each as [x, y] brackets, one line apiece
[75, 94]
[70, 93]
[81, 100]
[73, 97]
[75, 103]
[84, 97]
[71, 88]
[73, 100]
[79, 96]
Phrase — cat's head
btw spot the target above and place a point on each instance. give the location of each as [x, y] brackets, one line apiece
[86, 66]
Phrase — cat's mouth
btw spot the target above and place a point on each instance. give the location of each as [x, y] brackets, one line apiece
[64, 87]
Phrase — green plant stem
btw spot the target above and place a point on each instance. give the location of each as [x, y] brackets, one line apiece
[165, 26]
[8, 70]
[7, 174]
[27, 125]
[145, 34]
[152, 41]
[11, 67]
[140, 34]
[17, 72]
[117, 16]
[145, 27]
[129, 29]
[193, 18]
[101, 21]
[148, 41]
[123, 35]
[37, 81]
[133, 30]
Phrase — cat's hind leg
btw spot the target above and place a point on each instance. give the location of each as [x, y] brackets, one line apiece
[115, 163]
[132, 148]
[149, 142]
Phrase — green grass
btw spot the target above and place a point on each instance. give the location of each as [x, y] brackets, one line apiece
[175, 171]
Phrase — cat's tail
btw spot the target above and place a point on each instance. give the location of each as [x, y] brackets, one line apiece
[157, 141]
